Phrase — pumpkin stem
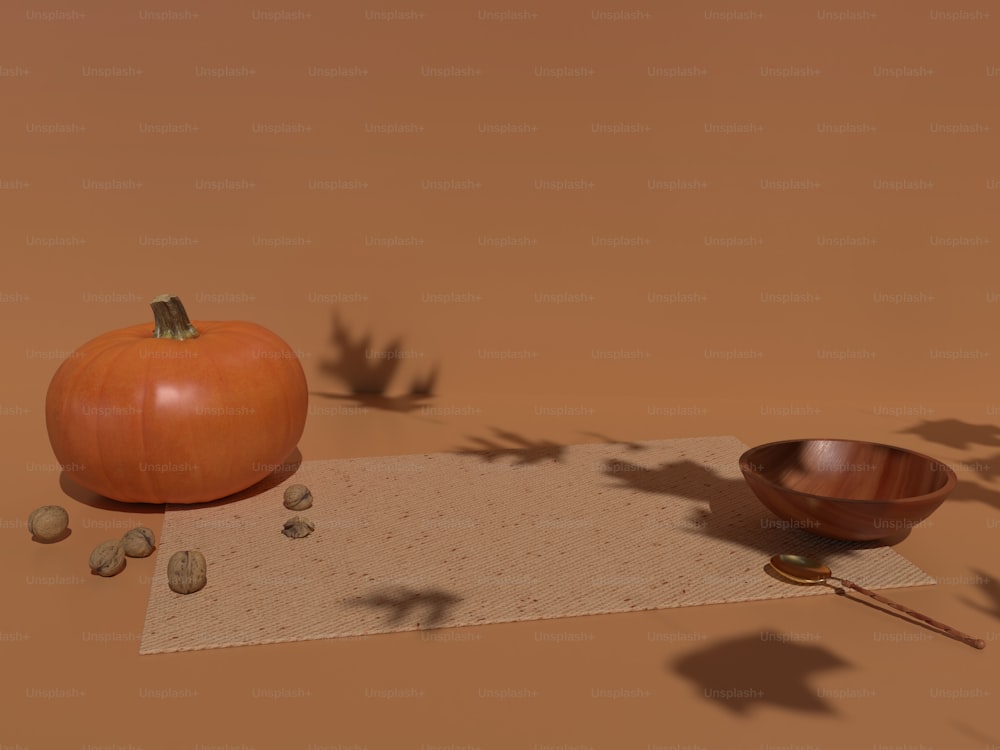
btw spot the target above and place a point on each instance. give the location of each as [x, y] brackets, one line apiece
[171, 319]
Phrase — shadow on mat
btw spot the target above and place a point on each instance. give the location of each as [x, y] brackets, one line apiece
[426, 608]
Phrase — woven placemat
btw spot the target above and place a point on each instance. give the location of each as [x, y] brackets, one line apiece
[467, 538]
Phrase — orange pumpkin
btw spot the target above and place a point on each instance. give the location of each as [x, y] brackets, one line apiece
[179, 412]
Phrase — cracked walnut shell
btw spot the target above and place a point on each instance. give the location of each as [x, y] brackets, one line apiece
[296, 528]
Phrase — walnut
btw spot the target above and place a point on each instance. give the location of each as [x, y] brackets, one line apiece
[187, 572]
[139, 542]
[48, 523]
[108, 558]
[298, 497]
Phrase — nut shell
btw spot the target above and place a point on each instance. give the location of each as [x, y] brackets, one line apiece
[139, 542]
[108, 558]
[187, 572]
[298, 497]
[48, 522]
[296, 528]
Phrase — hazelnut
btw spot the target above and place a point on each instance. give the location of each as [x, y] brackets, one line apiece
[139, 542]
[108, 558]
[187, 572]
[296, 528]
[298, 497]
[49, 522]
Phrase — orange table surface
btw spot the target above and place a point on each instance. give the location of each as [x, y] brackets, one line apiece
[567, 224]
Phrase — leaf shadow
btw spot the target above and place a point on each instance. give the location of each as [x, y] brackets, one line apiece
[961, 435]
[988, 468]
[402, 604]
[521, 449]
[368, 372]
[955, 433]
[965, 491]
[758, 670]
[688, 478]
[992, 589]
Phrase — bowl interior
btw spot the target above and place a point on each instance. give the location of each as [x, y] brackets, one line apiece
[848, 469]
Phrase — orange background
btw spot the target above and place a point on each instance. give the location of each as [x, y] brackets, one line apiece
[773, 224]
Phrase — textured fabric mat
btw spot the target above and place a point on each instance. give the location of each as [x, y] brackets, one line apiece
[466, 538]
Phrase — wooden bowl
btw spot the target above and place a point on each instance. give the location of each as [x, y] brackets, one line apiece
[846, 489]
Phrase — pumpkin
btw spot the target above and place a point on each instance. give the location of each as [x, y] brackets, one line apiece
[179, 412]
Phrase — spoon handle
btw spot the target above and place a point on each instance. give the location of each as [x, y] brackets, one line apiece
[957, 634]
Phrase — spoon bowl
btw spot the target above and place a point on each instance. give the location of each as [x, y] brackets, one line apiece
[800, 569]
